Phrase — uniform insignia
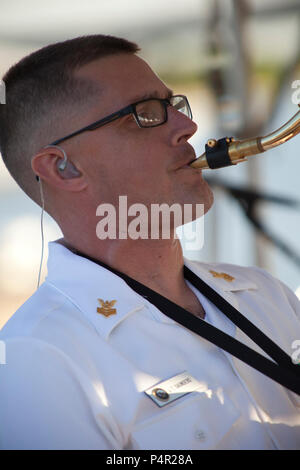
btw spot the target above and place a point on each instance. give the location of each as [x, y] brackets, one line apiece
[106, 307]
[225, 276]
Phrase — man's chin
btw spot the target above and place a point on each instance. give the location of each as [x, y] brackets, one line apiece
[209, 202]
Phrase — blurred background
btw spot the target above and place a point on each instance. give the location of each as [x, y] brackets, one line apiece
[236, 60]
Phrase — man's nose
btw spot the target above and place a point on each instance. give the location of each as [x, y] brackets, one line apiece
[183, 128]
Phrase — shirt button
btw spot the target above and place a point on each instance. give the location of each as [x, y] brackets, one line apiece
[200, 435]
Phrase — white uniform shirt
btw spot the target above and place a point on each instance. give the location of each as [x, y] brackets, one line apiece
[75, 379]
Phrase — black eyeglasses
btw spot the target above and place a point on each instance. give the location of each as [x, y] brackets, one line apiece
[151, 112]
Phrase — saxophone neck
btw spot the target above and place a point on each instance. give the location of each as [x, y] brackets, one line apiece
[229, 151]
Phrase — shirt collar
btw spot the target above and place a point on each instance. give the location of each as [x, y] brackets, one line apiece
[83, 282]
[227, 280]
[221, 277]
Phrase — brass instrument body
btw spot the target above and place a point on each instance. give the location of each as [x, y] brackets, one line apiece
[229, 151]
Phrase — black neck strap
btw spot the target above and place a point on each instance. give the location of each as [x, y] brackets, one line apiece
[283, 370]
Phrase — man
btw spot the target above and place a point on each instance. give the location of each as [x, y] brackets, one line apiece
[90, 360]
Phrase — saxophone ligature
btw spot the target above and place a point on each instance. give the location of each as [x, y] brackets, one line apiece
[229, 151]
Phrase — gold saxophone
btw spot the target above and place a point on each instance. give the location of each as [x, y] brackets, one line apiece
[229, 151]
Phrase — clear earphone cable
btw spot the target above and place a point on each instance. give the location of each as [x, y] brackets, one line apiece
[42, 232]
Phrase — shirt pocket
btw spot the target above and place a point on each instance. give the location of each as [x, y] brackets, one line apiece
[197, 421]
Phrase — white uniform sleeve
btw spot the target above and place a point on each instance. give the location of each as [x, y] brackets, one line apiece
[290, 296]
[43, 404]
[292, 299]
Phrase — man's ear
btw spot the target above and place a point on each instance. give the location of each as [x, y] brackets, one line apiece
[51, 165]
[67, 170]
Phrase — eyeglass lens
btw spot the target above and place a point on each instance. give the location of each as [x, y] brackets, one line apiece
[181, 104]
[153, 112]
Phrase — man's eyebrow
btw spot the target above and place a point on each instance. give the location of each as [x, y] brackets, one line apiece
[153, 94]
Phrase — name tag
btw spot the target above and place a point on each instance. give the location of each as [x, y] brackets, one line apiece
[169, 390]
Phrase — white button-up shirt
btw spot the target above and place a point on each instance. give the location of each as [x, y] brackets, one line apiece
[75, 378]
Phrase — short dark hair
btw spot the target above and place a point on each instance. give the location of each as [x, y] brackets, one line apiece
[38, 89]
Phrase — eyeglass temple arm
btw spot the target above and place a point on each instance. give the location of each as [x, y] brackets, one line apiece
[97, 124]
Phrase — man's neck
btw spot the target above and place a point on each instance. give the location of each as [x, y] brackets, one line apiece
[155, 263]
[158, 264]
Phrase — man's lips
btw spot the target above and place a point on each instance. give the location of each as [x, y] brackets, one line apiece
[187, 156]
[191, 161]
[187, 161]
[187, 165]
